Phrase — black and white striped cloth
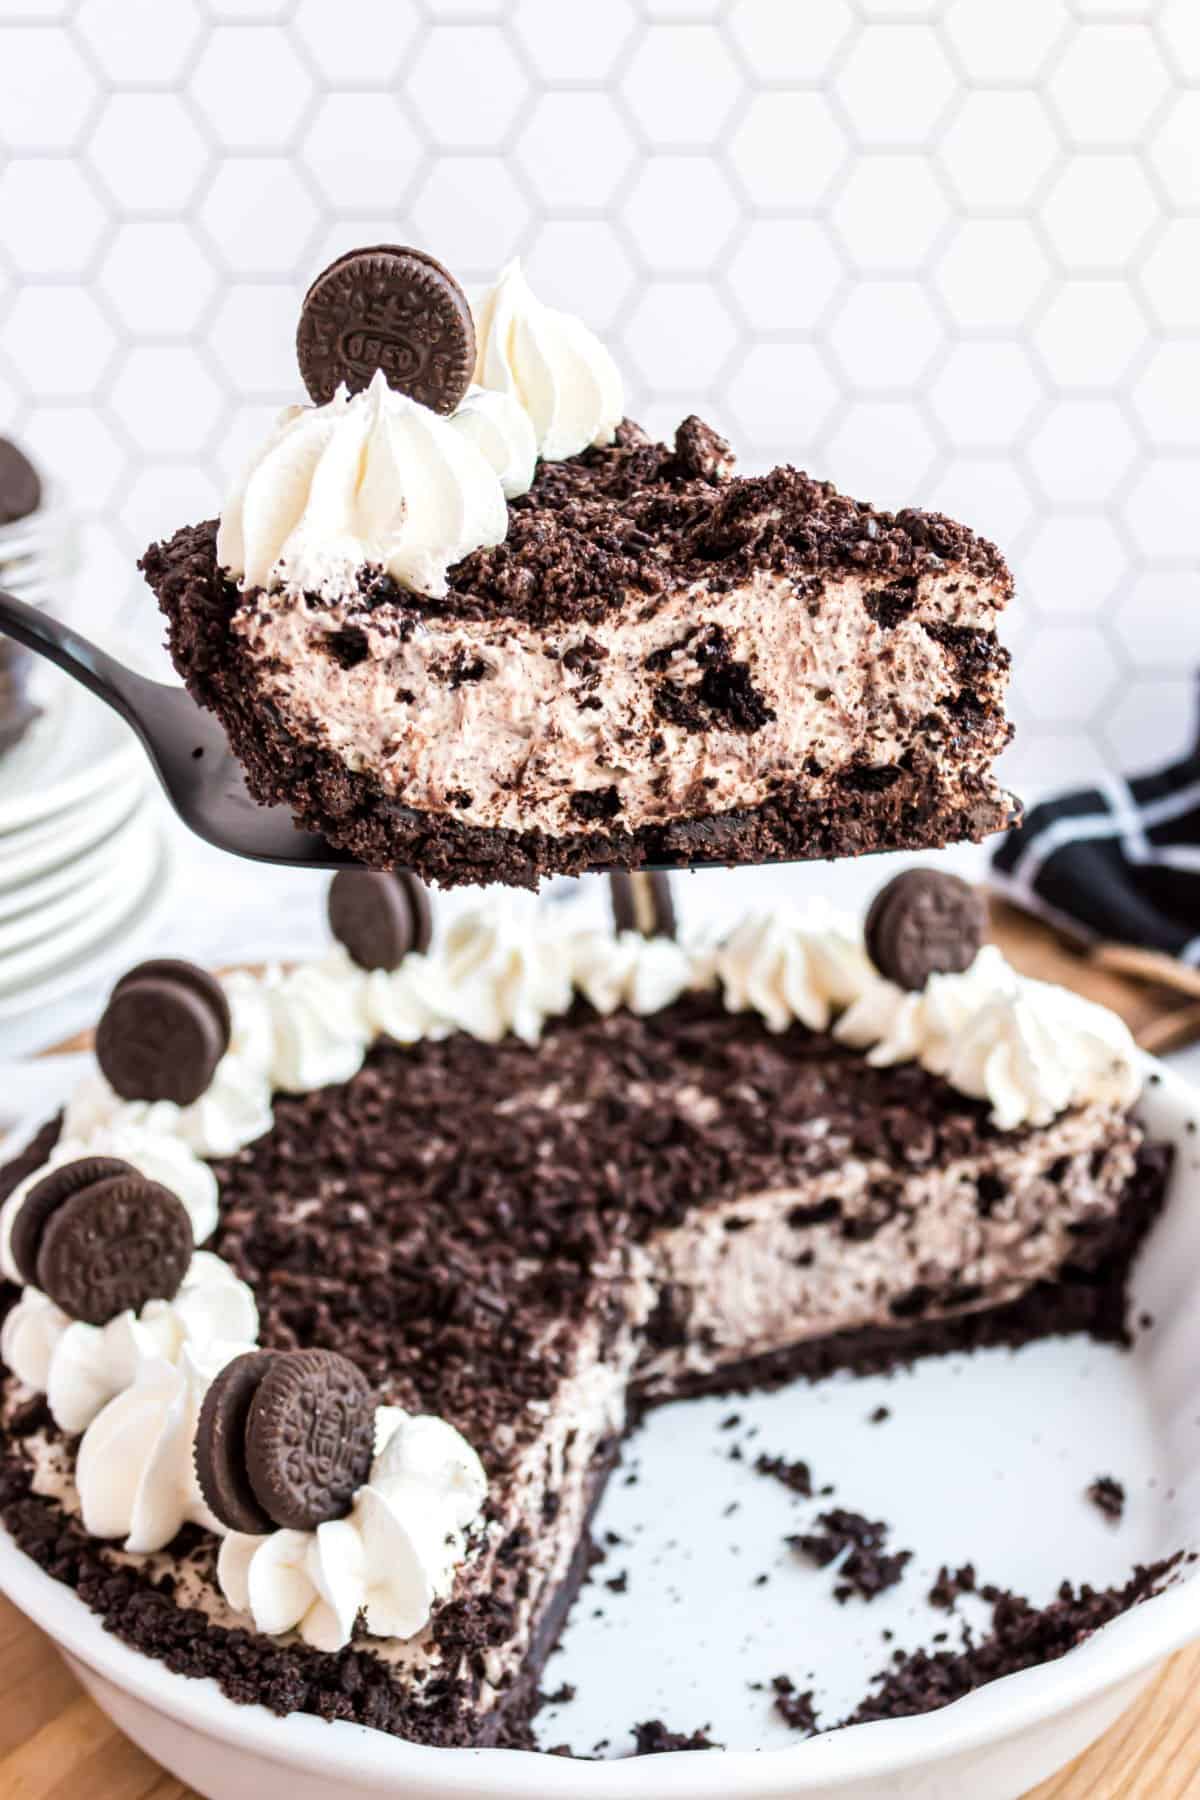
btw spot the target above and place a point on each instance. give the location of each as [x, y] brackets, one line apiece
[1119, 862]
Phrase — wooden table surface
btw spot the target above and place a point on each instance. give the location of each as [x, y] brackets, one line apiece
[55, 1745]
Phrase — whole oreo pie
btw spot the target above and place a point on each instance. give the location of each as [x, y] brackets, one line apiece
[566, 1178]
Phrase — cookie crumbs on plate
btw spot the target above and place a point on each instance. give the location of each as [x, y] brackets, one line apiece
[869, 1569]
[559, 1697]
[794, 1475]
[652, 1738]
[1107, 1495]
[950, 1584]
[796, 1710]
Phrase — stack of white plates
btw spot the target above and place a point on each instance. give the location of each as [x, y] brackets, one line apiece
[37, 555]
[83, 859]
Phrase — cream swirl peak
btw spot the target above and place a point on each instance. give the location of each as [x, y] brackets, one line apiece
[548, 360]
[370, 480]
[80, 1368]
[375, 479]
[502, 431]
[135, 1471]
[1030, 1048]
[785, 966]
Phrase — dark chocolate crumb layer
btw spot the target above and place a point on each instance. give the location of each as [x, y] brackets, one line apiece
[645, 515]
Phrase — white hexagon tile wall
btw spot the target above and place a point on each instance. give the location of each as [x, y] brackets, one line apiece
[943, 251]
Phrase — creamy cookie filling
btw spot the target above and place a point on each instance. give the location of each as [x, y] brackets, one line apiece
[856, 1246]
[703, 702]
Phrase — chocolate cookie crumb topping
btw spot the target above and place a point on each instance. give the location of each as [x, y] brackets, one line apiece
[701, 451]
[653, 1738]
[950, 1585]
[112, 1246]
[389, 309]
[310, 1437]
[379, 917]
[925, 923]
[794, 1475]
[163, 1032]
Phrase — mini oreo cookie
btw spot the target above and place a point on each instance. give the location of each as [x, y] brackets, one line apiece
[20, 484]
[642, 902]
[925, 923]
[220, 1446]
[112, 1246]
[379, 917]
[163, 1032]
[310, 1438]
[44, 1199]
[393, 309]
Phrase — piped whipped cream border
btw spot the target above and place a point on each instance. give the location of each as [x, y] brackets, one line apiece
[1029, 1049]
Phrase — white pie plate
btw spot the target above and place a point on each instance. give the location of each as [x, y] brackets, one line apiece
[983, 1457]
